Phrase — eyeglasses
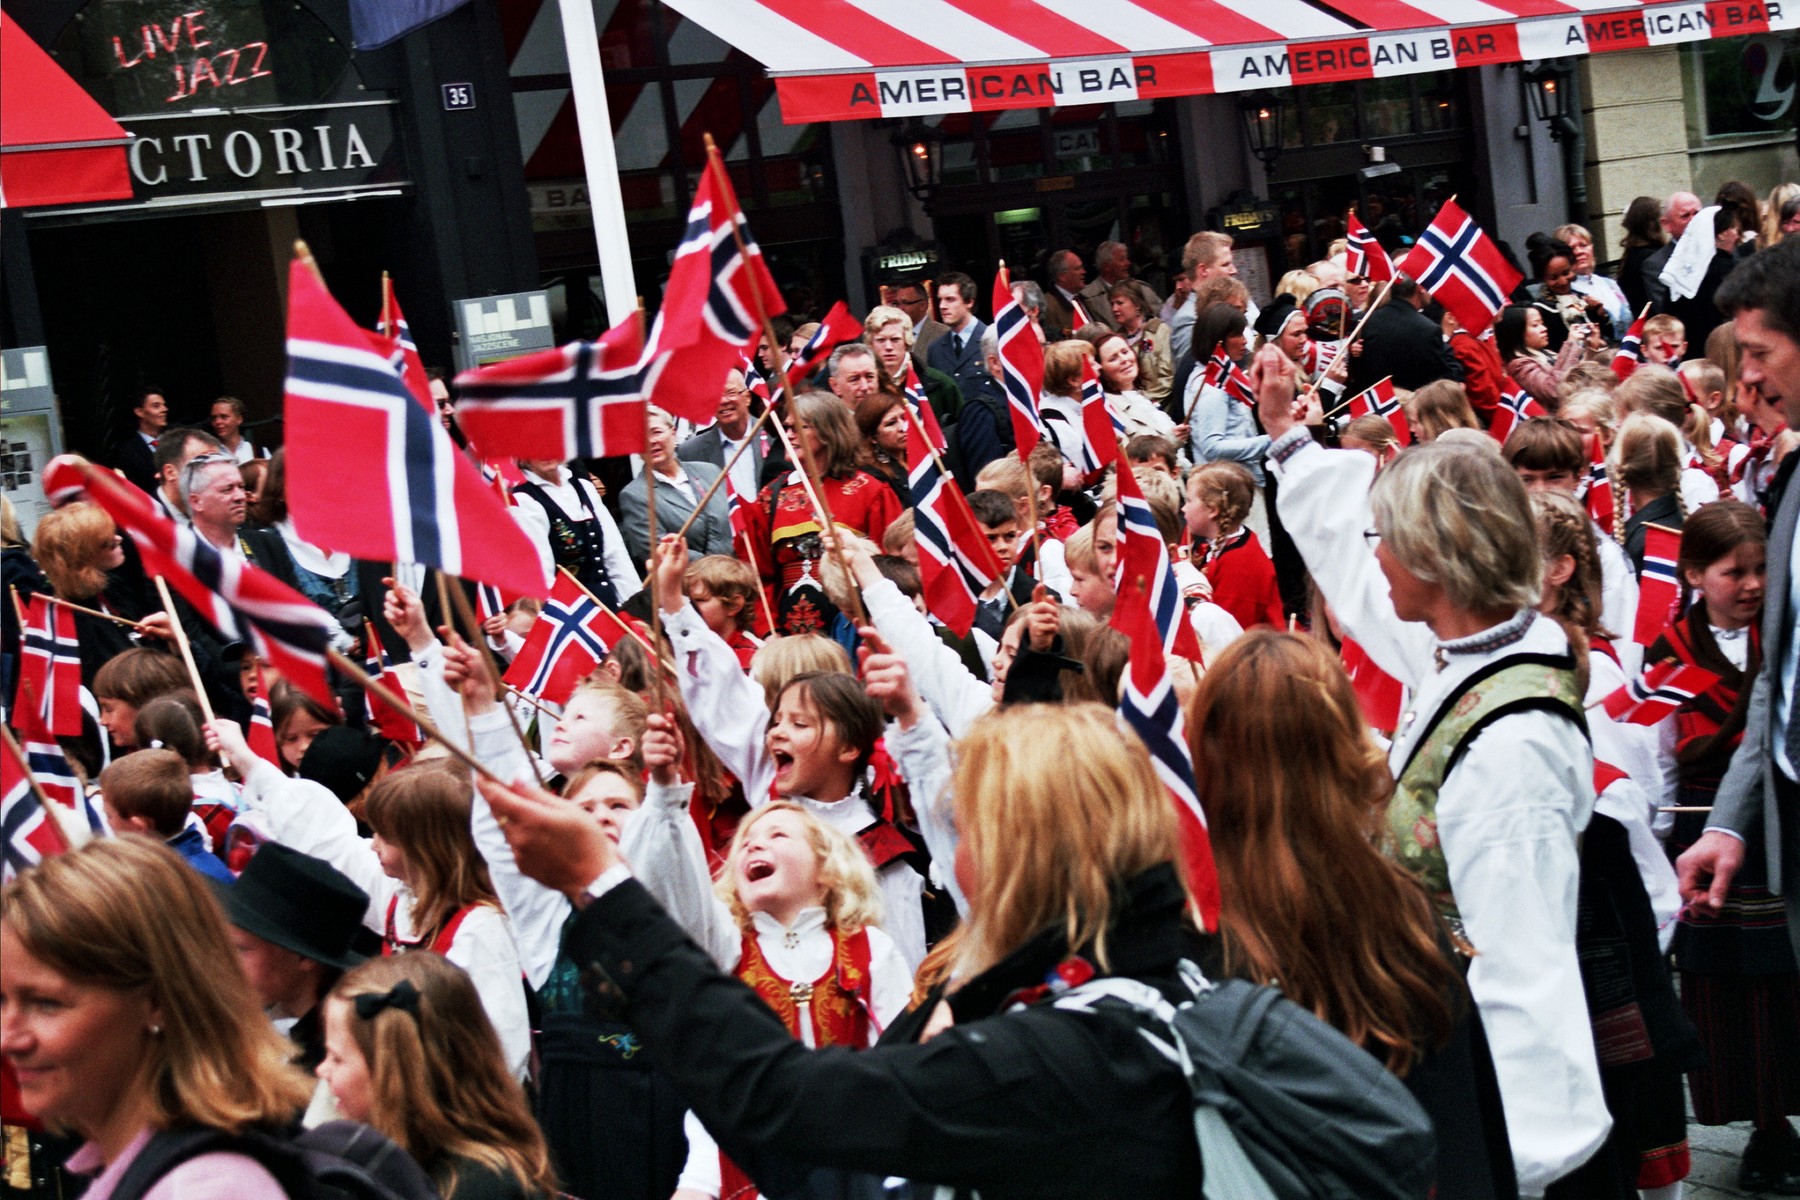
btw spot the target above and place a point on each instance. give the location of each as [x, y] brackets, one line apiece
[734, 393]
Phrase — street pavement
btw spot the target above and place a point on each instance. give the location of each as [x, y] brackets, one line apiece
[1716, 1152]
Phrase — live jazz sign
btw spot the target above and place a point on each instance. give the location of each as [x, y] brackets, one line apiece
[231, 97]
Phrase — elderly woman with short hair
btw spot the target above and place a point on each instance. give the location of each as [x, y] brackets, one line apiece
[1435, 571]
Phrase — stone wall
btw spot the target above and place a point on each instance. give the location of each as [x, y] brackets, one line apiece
[1637, 138]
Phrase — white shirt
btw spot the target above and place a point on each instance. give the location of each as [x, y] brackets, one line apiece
[245, 452]
[743, 471]
[1618, 598]
[728, 708]
[1509, 816]
[574, 502]
[309, 818]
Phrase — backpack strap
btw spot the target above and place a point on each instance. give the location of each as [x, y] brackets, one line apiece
[171, 1148]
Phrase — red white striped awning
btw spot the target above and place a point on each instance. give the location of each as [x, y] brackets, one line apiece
[57, 145]
[835, 60]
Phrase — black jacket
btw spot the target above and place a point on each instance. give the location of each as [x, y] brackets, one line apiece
[1033, 1103]
[1400, 341]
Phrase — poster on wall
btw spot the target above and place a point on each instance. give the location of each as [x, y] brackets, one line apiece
[30, 434]
[1252, 264]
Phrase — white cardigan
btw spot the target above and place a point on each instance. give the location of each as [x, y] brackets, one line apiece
[1509, 815]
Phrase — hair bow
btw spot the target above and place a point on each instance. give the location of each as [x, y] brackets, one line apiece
[403, 996]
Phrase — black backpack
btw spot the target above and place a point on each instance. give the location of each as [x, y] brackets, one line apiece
[340, 1160]
[1285, 1106]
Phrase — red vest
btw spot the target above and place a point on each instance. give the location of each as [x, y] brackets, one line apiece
[838, 1007]
[390, 938]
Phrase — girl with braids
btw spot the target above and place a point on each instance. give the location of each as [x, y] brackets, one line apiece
[1646, 464]
[1295, 791]
[409, 1051]
[1627, 890]
[1738, 977]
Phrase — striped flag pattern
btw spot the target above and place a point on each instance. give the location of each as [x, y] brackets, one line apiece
[582, 400]
[922, 412]
[28, 833]
[1515, 407]
[1600, 503]
[50, 667]
[1144, 565]
[1659, 691]
[1631, 350]
[1364, 255]
[1102, 430]
[1229, 378]
[243, 602]
[1021, 363]
[1379, 401]
[261, 734]
[838, 327]
[573, 635]
[956, 564]
[355, 428]
[1659, 584]
[388, 721]
[1462, 268]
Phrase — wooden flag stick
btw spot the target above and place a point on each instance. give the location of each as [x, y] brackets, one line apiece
[52, 810]
[466, 612]
[528, 698]
[1347, 403]
[662, 698]
[629, 628]
[187, 651]
[1681, 808]
[18, 607]
[1387, 285]
[343, 663]
[809, 470]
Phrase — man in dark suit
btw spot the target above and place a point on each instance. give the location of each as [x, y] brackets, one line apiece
[1062, 298]
[1400, 341]
[1759, 798]
[1681, 208]
[910, 298]
[958, 353]
[719, 441]
[133, 453]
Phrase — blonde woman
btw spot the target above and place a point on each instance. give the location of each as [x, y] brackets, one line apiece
[1068, 863]
[409, 1051]
[124, 1013]
[1435, 572]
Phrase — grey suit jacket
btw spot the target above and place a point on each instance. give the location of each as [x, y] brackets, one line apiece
[711, 532]
[929, 331]
[708, 446]
[1747, 793]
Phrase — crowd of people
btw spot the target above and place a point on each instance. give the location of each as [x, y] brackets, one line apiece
[803, 892]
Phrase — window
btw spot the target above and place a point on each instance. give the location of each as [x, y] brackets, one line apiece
[1740, 87]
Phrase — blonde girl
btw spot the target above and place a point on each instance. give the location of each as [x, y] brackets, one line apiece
[409, 1051]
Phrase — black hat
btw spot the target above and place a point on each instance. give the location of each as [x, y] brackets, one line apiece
[343, 759]
[300, 903]
[1270, 320]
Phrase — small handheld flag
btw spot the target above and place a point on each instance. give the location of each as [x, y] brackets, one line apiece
[1659, 691]
[1462, 268]
[1364, 255]
[583, 400]
[1659, 584]
[1631, 350]
[1022, 365]
[956, 563]
[837, 328]
[1515, 408]
[1379, 401]
[573, 634]
[1144, 562]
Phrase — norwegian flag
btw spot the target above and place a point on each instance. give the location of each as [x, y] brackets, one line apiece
[502, 474]
[1631, 349]
[1101, 428]
[922, 412]
[1659, 584]
[1144, 565]
[1515, 408]
[261, 734]
[1229, 378]
[371, 471]
[956, 563]
[1148, 706]
[243, 602]
[1364, 255]
[1021, 363]
[50, 667]
[389, 721]
[56, 776]
[31, 833]
[837, 328]
[572, 636]
[1078, 315]
[1379, 401]
[1600, 503]
[708, 315]
[1659, 691]
[754, 382]
[1462, 268]
[393, 326]
[1378, 694]
[583, 400]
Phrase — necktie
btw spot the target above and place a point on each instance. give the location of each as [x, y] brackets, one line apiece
[956, 343]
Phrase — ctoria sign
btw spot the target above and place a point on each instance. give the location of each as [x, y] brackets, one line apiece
[309, 148]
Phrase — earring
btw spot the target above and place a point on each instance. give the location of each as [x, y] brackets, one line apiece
[156, 1031]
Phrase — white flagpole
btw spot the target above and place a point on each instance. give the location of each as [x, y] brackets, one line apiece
[581, 42]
